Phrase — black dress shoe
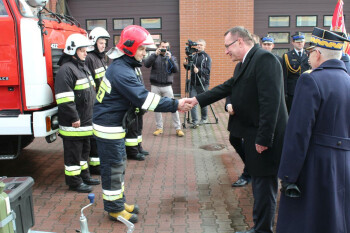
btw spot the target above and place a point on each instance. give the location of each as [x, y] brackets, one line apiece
[82, 188]
[139, 157]
[248, 231]
[91, 181]
[240, 182]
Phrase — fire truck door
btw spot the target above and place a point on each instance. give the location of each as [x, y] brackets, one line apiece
[9, 70]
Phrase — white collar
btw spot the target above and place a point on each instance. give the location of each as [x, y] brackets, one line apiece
[298, 51]
[245, 55]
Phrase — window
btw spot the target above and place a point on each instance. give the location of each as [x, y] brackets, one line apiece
[280, 37]
[92, 23]
[279, 21]
[157, 38]
[327, 20]
[2, 9]
[116, 39]
[120, 24]
[306, 21]
[151, 23]
[280, 51]
[307, 36]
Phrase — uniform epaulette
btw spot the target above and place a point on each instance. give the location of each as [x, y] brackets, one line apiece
[308, 71]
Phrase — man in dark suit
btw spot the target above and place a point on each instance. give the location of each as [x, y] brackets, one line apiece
[257, 98]
[315, 163]
[294, 63]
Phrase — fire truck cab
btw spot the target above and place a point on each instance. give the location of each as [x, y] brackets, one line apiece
[31, 43]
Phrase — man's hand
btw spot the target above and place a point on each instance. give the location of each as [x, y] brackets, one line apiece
[76, 124]
[158, 51]
[185, 63]
[183, 105]
[195, 69]
[168, 54]
[230, 109]
[192, 101]
[259, 148]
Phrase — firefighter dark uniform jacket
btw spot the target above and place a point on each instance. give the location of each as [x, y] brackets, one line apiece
[293, 67]
[119, 90]
[75, 95]
[97, 65]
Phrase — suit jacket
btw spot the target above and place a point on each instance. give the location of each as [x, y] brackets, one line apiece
[316, 155]
[257, 96]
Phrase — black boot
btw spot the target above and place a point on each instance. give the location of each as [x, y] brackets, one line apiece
[139, 157]
[132, 152]
[82, 188]
[91, 181]
[141, 150]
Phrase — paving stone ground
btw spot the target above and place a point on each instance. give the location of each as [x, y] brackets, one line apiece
[180, 187]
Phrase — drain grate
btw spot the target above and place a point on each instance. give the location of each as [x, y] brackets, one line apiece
[213, 147]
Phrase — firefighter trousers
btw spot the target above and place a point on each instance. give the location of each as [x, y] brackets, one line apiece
[113, 163]
[94, 161]
[133, 137]
[76, 154]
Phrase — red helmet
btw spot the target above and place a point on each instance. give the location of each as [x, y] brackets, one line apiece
[132, 37]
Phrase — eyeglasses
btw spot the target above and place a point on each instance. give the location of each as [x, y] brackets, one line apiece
[228, 45]
[308, 52]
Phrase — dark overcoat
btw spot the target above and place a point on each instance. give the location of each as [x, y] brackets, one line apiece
[316, 153]
[257, 97]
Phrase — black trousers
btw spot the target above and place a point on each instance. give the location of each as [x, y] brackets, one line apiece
[94, 159]
[265, 200]
[237, 143]
[134, 131]
[76, 154]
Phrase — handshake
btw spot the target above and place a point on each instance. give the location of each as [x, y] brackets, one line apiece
[186, 104]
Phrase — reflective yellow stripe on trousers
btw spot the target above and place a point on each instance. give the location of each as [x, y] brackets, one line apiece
[75, 132]
[72, 170]
[108, 132]
[110, 195]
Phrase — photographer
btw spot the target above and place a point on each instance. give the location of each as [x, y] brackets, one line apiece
[200, 75]
[164, 65]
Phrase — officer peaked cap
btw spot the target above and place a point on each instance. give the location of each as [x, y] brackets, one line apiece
[268, 39]
[327, 39]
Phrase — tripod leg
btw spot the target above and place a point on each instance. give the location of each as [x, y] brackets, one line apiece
[212, 110]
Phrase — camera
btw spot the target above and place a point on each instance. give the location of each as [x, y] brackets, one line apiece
[189, 50]
[162, 50]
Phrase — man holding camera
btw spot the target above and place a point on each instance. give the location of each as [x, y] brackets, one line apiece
[164, 65]
[200, 75]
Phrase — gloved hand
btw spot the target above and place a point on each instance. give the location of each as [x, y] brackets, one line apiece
[290, 189]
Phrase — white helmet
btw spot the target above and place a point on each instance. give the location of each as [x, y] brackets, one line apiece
[37, 3]
[75, 41]
[98, 32]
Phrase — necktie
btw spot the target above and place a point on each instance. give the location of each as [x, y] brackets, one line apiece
[299, 54]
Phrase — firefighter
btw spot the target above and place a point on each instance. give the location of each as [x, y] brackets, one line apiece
[75, 95]
[97, 65]
[121, 91]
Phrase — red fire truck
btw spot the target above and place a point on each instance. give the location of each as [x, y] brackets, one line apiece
[31, 43]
